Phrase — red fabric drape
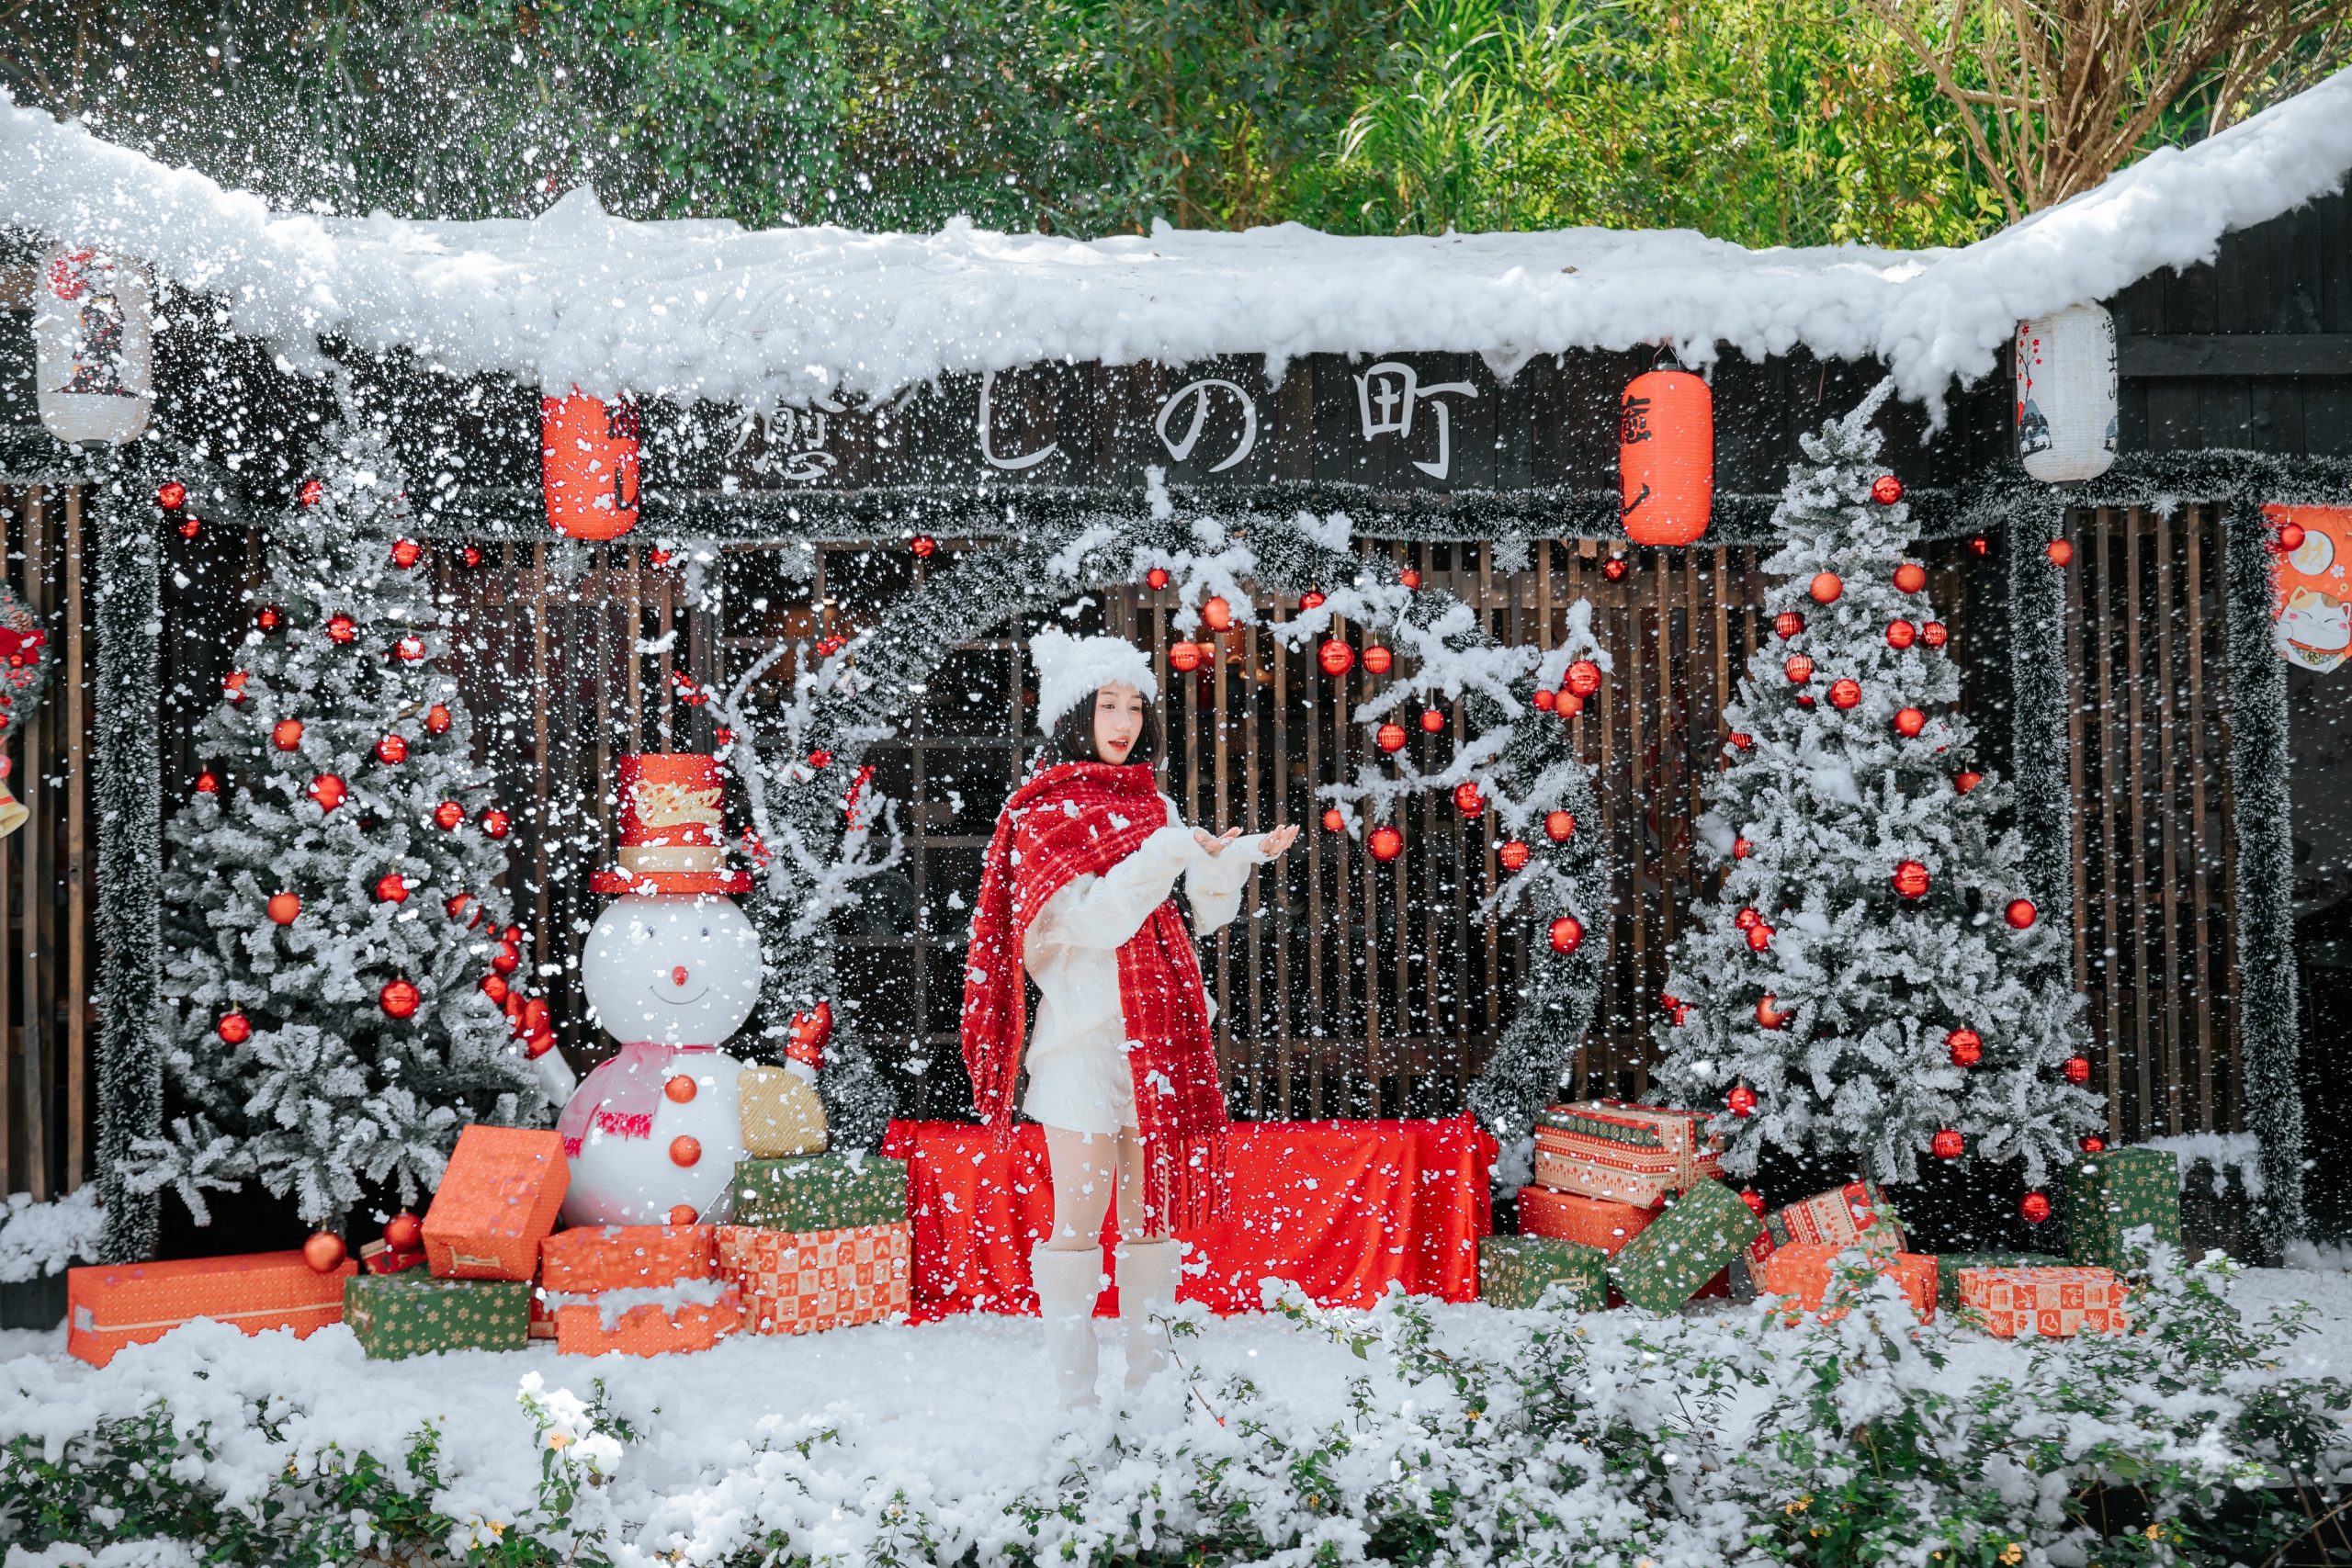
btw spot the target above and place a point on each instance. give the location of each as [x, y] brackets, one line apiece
[1342, 1208]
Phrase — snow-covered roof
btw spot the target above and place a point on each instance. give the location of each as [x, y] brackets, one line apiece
[706, 308]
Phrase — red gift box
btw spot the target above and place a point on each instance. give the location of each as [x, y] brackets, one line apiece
[1842, 1216]
[1803, 1272]
[1588, 1222]
[109, 1306]
[1639, 1154]
[2055, 1302]
[801, 1282]
[647, 1329]
[589, 1258]
[497, 1201]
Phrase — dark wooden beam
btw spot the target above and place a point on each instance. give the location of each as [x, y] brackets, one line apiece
[2236, 354]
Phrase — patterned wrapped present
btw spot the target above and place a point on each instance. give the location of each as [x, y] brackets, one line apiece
[1588, 1222]
[2111, 1194]
[589, 1258]
[1843, 1216]
[821, 1192]
[1949, 1264]
[1692, 1241]
[645, 1329]
[799, 1282]
[498, 1201]
[1515, 1271]
[2057, 1304]
[1801, 1272]
[110, 1305]
[1626, 1154]
[414, 1313]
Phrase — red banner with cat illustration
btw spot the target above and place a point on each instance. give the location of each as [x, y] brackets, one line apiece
[2314, 608]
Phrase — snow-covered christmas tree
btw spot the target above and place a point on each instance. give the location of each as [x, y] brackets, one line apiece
[337, 944]
[1871, 981]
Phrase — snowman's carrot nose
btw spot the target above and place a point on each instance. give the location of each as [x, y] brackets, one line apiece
[678, 977]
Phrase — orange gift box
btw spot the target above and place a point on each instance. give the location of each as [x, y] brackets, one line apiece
[590, 1258]
[1803, 1272]
[2055, 1302]
[498, 1201]
[801, 1282]
[645, 1329]
[109, 1306]
[1588, 1222]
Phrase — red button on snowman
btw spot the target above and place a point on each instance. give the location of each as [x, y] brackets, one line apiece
[670, 969]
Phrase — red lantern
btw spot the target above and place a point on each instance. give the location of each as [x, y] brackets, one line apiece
[206, 784]
[1385, 843]
[285, 734]
[2060, 552]
[406, 553]
[329, 791]
[1886, 490]
[1787, 624]
[1379, 660]
[1432, 722]
[397, 998]
[1310, 600]
[1156, 579]
[924, 546]
[686, 1150]
[1845, 693]
[1934, 635]
[1741, 848]
[391, 888]
[234, 1027]
[2035, 1207]
[325, 1252]
[1768, 1015]
[447, 815]
[1334, 820]
[1760, 937]
[1336, 657]
[1467, 800]
[1410, 579]
[1583, 678]
[2093, 1144]
[1966, 781]
[1910, 577]
[285, 908]
[1217, 615]
[1798, 669]
[1909, 722]
[1742, 1100]
[1901, 633]
[495, 823]
[588, 463]
[1558, 824]
[1614, 569]
[1965, 1046]
[1391, 737]
[1183, 657]
[1513, 853]
[1665, 457]
[171, 495]
[1826, 587]
[2021, 913]
[437, 720]
[1911, 879]
[2078, 1070]
[1568, 934]
[1546, 700]
[392, 750]
[1947, 1145]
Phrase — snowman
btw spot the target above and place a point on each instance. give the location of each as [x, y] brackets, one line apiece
[670, 969]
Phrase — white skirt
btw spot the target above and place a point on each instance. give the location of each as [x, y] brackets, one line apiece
[1086, 1085]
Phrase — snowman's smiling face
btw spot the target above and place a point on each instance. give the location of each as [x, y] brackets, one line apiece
[675, 968]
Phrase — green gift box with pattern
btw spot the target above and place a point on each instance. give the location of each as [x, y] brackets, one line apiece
[412, 1313]
[821, 1192]
[1515, 1271]
[2111, 1194]
[1949, 1264]
[1692, 1241]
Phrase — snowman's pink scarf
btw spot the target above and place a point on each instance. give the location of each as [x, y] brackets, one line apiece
[620, 1096]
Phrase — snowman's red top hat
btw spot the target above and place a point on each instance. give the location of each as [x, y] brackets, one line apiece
[672, 827]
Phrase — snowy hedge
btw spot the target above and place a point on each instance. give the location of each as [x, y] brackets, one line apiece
[1462, 1434]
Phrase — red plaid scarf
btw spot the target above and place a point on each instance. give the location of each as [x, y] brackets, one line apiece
[1075, 820]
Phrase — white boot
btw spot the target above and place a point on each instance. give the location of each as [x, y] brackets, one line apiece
[1068, 1284]
[1147, 1272]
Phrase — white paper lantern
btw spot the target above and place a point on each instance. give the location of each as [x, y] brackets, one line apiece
[94, 334]
[2065, 393]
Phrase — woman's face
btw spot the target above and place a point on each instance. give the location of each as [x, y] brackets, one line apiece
[1118, 721]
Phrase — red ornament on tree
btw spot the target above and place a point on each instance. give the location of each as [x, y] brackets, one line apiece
[397, 998]
[1334, 820]
[403, 1232]
[2021, 913]
[391, 888]
[1746, 918]
[1156, 579]
[821, 759]
[1845, 694]
[392, 750]
[457, 905]
[1787, 624]
[447, 815]
[1432, 722]
[1934, 634]
[207, 785]
[233, 683]
[1901, 633]
[171, 495]
[2035, 1207]
[1409, 578]
[1741, 848]
[406, 553]
[1614, 569]
[507, 959]
[495, 823]
[1911, 879]
[1741, 1100]
[1183, 657]
[1513, 854]
[191, 527]
[496, 987]
[2060, 552]
[1826, 587]
[1798, 669]
[1947, 1145]
[1385, 843]
[1568, 934]
[1886, 490]
[409, 649]
[1391, 737]
[285, 908]
[1583, 678]
[1310, 600]
[1546, 700]
[1336, 657]
[1558, 824]
[312, 492]
[1467, 800]
[1379, 660]
[1569, 703]
[329, 791]
[1909, 722]
[342, 628]
[1768, 1015]
[2078, 1070]
[1965, 1046]
[437, 720]
[269, 618]
[924, 546]
[1910, 577]
[1760, 937]
[1217, 615]
[1740, 739]
[234, 1027]
[471, 555]
[1966, 780]
[1754, 1200]
[2093, 1144]
[323, 1252]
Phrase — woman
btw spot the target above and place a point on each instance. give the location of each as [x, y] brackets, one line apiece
[1121, 1071]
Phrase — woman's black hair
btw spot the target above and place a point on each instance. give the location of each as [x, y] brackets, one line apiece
[1072, 738]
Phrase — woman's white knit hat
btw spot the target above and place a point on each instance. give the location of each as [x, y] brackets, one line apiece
[1070, 670]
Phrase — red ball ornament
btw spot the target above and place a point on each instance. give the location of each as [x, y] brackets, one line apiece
[1965, 1046]
[1798, 669]
[171, 495]
[233, 683]
[821, 759]
[312, 492]
[1569, 703]
[683, 1215]
[447, 815]
[1379, 660]
[437, 720]
[406, 553]
[2035, 1207]
[1336, 657]
[680, 1089]
[1310, 600]
[285, 734]
[1886, 490]
[1409, 578]
[1432, 722]
[924, 547]
[269, 618]
[329, 791]
[1910, 577]
[1966, 780]
[2060, 552]
[507, 959]
[1909, 722]
[496, 987]
[1741, 1099]
[342, 628]
[323, 1252]
[1760, 937]
[1787, 624]
[1746, 918]
[1513, 853]
[1768, 1013]
[397, 998]
[1754, 1200]
[471, 555]
[1934, 634]
[234, 1027]
[391, 888]
[1845, 693]
[686, 1150]
[1947, 1144]
[1741, 848]
[1741, 741]
[1568, 934]
[495, 823]
[1583, 678]
[1911, 879]
[1467, 800]
[1558, 824]
[457, 905]
[1385, 843]
[1614, 569]
[2093, 1144]
[191, 527]
[1156, 579]
[1183, 657]
[2021, 913]
[284, 907]
[1546, 700]
[392, 750]
[1826, 587]
[2290, 538]
[1901, 633]
[1217, 615]
[403, 1232]
[409, 649]
[206, 784]
[1391, 737]
[2078, 1070]
[1334, 820]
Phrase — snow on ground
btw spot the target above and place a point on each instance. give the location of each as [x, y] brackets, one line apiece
[704, 308]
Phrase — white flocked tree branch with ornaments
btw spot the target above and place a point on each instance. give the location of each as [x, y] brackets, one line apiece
[1871, 981]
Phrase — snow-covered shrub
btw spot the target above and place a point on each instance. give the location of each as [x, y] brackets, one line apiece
[48, 1239]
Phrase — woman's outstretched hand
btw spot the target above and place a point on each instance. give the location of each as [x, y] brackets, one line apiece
[1275, 842]
[1217, 845]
